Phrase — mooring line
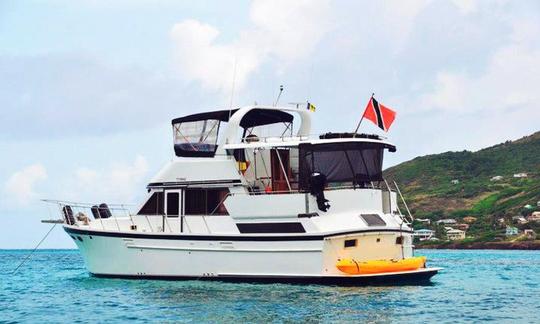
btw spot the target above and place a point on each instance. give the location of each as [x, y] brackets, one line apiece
[34, 250]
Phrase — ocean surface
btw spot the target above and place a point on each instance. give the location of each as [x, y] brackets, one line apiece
[53, 286]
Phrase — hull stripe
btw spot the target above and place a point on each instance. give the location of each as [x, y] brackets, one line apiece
[393, 279]
[191, 237]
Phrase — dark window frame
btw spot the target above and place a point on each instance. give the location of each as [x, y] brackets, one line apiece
[154, 205]
[350, 243]
[205, 201]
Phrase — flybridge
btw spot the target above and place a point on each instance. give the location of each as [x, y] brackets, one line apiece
[285, 161]
[199, 135]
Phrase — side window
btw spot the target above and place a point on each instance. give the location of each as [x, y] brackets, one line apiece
[205, 201]
[173, 203]
[154, 205]
[195, 202]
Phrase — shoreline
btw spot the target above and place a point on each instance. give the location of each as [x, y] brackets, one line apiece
[525, 245]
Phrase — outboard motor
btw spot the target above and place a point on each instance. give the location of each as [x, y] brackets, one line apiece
[104, 211]
[68, 214]
[317, 182]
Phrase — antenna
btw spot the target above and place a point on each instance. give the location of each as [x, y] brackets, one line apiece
[233, 84]
[310, 77]
[279, 95]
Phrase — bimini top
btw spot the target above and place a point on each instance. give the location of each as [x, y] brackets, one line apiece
[254, 117]
[197, 135]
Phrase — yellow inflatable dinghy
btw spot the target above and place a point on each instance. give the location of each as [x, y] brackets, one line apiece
[351, 266]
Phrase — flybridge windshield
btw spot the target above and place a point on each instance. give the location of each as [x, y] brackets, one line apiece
[196, 138]
[196, 135]
[352, 163]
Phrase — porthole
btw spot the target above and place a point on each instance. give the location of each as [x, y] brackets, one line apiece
[399, 240]
[349, 243]
[378, 239]
[79, 238]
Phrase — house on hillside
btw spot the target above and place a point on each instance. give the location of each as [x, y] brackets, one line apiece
[423, 220]
[447, 221]
[469, 219]
[530, 234]
[455, 234]
[520, 175]
[424, 234]
[519, 220]
[454, 182]
[511, 231]
[462, 227]
[534, 217]
[496, 178]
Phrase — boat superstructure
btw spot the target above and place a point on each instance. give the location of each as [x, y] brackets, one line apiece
[239, 204]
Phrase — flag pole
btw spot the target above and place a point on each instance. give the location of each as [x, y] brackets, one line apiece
[360, 122]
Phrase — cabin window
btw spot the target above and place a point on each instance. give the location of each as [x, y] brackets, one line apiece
[252, 228]
[154, 205]
[373, 220]
[343, 164]
[196, 138]
[399, 240]
[173, 203]
[349, 243]
[201, 201]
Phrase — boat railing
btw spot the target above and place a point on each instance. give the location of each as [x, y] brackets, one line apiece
[294, 138]
[75, 213]
[407, 218]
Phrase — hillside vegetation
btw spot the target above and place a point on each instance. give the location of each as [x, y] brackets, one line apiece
[429, 185]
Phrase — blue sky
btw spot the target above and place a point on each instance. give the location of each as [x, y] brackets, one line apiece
[88, 87]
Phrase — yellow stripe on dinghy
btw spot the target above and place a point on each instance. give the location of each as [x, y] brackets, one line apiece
[351, 266]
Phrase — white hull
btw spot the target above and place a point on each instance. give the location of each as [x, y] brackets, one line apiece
[166, 256]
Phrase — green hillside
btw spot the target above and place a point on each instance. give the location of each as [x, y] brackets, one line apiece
[429, 186]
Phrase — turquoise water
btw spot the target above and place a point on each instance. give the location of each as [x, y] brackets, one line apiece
[53, 286]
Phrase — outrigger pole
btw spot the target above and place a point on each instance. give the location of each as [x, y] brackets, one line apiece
[360, 122]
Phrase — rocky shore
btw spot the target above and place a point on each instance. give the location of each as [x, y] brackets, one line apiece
[523, 245]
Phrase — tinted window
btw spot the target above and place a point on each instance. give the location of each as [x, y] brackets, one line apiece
[271, 228]
[205, 201]
[373, 220]
[173, 203]
[154, 205]
[349, 243]
[341, 163]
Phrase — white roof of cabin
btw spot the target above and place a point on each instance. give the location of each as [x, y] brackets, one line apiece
[234, 127]
[295, 141]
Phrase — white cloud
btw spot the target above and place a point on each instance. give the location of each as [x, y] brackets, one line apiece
[119, 183]
[398, 19]
[466, 6]
[510, 80]
[284, 30]
[58, 96]
[20, 187]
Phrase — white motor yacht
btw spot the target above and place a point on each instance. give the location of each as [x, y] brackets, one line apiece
[238, 204]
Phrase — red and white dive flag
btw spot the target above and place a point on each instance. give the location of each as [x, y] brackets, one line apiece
[380, 115]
